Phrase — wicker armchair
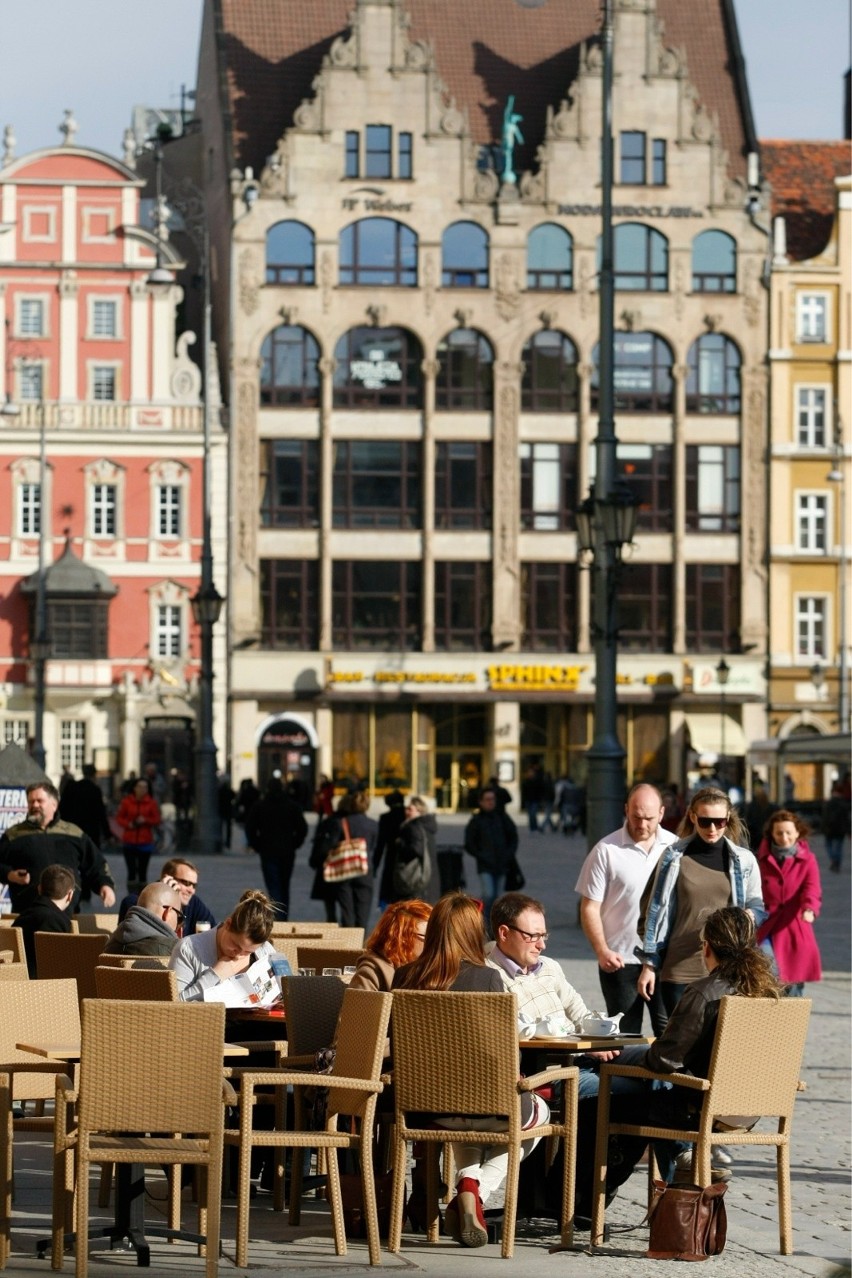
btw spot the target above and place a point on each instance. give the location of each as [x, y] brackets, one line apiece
[14, 972]
[320, 956]
[149, 985]
[103, 922]
[354, 1084]
[60, 954]
[458, 1054]
[754, 1069]
[124, 1042]
[151, 961]
[12, 938]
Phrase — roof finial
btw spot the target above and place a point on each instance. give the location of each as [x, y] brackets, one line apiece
[9, 144]
[68, 127]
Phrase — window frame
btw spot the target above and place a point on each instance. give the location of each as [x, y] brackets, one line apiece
[404, 392]
[303, 634]
[402, 510]
[464, 273]
[72, 744]
[287, 274]
[348, 593]
[728, 518]
[304, 456]
[639, 160]
[546, 279]
[715, 281]
[103, 510]
[461, 583]
[638, 400]
[24, 300]
[37, 370]
[701, 637]
[535, 398]
[810, 619]
[811, 427]
[478, 514]
[727, 353]
[43, 210]
[460, 352]
[78, 627]
[656, 635]
[560, 517]
[365, 275]
[94, 303]
[550, 583]
[812, 521]
[169, 506]
[651, 278]
[28, 503]
[169, 628]
[98, 371]
[303, 348]
[803, 336]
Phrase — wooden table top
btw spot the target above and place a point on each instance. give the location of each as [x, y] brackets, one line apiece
[71, 1051]
[586, 1042]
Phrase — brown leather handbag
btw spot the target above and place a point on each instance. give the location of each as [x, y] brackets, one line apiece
[687, 1222]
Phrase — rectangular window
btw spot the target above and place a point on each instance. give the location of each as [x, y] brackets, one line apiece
[463, 496]
[31, 317]
[104, 378]
[168, 510]
[811, 615]
[712, 488]
[549, 607]
[29, 508]
[647, 471]
[17, 731]
[376, 484]
[376, 605]
[548, 486]
[810, 416]
[378, 160]
[811, 521]
[72, 745]
[351, 163]
[712, 607]
[104, 499]
[289, 603]
[104, 318]
[405, 159]
[78, 628]
[168, 630]
[658, 162]
[811, 317]
[645, 608]
[31, 380]
[462, 607]
[290, 484]
[633, 159]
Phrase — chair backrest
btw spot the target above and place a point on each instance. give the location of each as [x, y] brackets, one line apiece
[320, 956]
[288, 947]
[60, 954]
[361, 1034]
[128, 960]
[14, 972]
[346, 936]
[175, 1049]
[157, 985]
[97, 923]
[454, 1053]
[12, 938]
[757, 1055]
[33, 1012]
[311, 1008]
[313, 931]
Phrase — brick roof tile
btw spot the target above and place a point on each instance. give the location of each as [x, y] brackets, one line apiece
[801, 176]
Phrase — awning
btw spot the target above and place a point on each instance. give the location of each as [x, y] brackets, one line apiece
[705, 733]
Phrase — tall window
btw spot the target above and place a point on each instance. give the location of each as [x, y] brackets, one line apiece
[104, 380]
[376, 484]
[462, 606]
[72, 745]
[714, 263]
[645, 608]
[104, 501]
[549, 382]
[811, 317]
[379, 252]
[17, 730]
[31, 317]
[811, 522]
[550, 258]
[712, 607]
[713, 377]
[463, 497]
[168, 630]
[376, 605]
[549, 607]
[713, 488]
[642, 165]
[377, 158]
[104, 317]
[31, 380]
[811, 629]
[641, 259]
[810, 416]
[78, 628]
[465, 378]
[289, 369]
[648, 471]
[464, 256]
[378, 368]
[642, 374]
[548, 486]
[168, 510]
[290, 254]
[29, 510]
[289, 603]
[290, 483]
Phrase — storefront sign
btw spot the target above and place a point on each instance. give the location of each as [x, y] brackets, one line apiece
[375, 372]
[403, 676]
[511, 678]
[13, 806]
[630, 210]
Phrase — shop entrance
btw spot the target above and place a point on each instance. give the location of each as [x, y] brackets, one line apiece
[286, 747]
[458, 778]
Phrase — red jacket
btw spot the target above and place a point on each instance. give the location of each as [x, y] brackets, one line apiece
[128, 810]
[789, 887]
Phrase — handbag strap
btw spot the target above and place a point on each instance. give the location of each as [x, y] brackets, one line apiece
[345, 825]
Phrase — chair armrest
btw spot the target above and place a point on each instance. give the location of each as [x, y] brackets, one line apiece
[545, 1076]
[304, 1062]
[252, 1078]
[229, 1096]
[638, 1071]
[65, 1090]
[66, 1096]
[278, 1045]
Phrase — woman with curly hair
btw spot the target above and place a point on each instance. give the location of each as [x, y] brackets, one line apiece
[396, 939]
[792, 893]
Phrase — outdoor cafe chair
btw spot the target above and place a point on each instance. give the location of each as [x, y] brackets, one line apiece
[158, 985]
[103, 922]
[12, 938]
[60, 954]
[14, 972]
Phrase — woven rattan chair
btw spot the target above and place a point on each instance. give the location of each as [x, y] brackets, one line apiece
[354, 1084]
[59, 954]
[88, 923]
[12, 938]
[458, 1054]
[320, 956]
[754, 1069]
[122, 1043]
[287, 946]
[150, 985]
[150, 961]
[14, 972]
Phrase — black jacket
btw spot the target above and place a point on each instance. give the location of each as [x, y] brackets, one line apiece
[26, 847]
[276, 827]
[42, 916]
[492, 839]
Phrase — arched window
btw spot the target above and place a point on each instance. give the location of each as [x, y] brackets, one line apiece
[714, 263]
[642, 374]
[378, 251]
[641, 259]
[378, 368]
[290, 254]
[465, 378]
[464, 256]
[713, 379]
[289, 369]
[550, 258]
[549, 383]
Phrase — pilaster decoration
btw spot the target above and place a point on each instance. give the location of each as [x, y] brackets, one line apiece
[430, 368]
[548, 318]
[429, 280]
[585, 371]
[453, 122]
[326, 278]
[463, 315]
[246, 472]
[631, 320]
[754, 493]
[343, 52]
[289, 313]
[248, 285]
[679, 372]
[532, 185]
[486, 186]
[506, 514]
[712, 322]
[377, 315]
[68, 284]
[752, 293]
[327, 365]
[734, 193]
[679, 287]
[186, 376]
[585, 282]
[306, 117]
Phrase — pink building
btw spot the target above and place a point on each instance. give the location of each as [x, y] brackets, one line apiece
[89, 356]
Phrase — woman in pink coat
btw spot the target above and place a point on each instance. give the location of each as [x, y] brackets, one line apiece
[792, 893]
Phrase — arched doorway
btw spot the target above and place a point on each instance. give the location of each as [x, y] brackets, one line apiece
[288, 745]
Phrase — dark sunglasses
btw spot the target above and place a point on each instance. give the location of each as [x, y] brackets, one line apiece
[178, 913]
[718, 823]
[193, 883]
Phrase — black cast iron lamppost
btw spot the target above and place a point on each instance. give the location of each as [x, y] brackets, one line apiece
[723, 674]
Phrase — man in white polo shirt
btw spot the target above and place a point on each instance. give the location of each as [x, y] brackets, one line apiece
[610, 884]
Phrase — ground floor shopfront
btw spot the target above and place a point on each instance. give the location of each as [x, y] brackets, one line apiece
[443, 725]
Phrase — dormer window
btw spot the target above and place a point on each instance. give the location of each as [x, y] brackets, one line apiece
[371, 154]
[642, 164]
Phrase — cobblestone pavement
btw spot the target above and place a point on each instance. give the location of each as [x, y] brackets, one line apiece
[821, 1132]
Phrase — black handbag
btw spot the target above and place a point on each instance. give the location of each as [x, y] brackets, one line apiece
[515, 880]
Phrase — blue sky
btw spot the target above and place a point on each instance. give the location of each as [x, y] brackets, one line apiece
[101, 57]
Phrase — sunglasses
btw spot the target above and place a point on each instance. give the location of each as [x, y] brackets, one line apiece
[718, 823]
[178, 913]
[193, 883]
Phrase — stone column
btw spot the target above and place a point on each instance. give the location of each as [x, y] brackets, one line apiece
[69, 341]
[327, 365]
[506, 627]
[244, 592]
[753, 549]
[427, 558]
[679, 373]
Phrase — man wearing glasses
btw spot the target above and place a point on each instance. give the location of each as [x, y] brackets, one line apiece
[183, 876]
[152, 926]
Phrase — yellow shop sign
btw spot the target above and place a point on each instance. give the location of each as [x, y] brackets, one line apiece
[509, 678]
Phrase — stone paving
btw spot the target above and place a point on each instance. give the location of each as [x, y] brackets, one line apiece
[821, 1134]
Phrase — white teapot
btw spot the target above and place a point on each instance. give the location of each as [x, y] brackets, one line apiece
[601, 1026]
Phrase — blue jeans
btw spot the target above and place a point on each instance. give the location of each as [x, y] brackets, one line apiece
[834, 849]
[277, 872]
[490, 886]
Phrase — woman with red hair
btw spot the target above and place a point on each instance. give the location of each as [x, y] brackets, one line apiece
[396, 939]
[792, 893]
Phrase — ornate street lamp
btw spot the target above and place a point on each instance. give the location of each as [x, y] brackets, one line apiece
[723, 674]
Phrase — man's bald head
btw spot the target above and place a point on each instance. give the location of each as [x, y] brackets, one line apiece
[643, 811]
[157, 897]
